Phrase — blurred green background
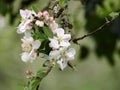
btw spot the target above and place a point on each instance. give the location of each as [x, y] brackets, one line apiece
[97, 59]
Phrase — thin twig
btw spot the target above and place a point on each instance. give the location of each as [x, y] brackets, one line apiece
[47, 72]
[91, 33]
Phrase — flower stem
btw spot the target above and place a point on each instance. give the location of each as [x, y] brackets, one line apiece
[47, 72]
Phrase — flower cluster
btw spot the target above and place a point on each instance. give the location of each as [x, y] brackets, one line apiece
[43, 35]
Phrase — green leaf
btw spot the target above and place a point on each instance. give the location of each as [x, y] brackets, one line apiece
[26, 88]
[114, 15]
[35, 9]
[39, 34]
[48, 32]
[43, 44]
[62, 3]
[41, 73]
[35, 83]
[44, 48]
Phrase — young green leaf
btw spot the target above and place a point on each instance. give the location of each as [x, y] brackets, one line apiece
[41, 73]
[35, 9]
[48, 32]
[114, 15]
[62, 3]
[34, 84]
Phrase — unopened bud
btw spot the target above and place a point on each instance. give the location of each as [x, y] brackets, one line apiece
[39, 23]
[39, 14]
[28, 77]
[28, 72]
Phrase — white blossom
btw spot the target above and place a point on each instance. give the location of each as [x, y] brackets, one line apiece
[26, 21]
[29, 47]
[29, 57]
[60, 40]
[62, 56]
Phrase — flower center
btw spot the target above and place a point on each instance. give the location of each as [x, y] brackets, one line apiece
[60, 39]
[53, 63]
[63, 55]
[27, 48]
[22, 19]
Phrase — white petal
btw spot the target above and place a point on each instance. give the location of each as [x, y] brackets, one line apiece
[21, 28]
[62, 64]
[28, 40]
[54, 55]
[24, 26]
[32, 56]
[54, 26]
[67, 37]
[36, 44]
[25, 56]
[60, 32]
[22, 13]
[70, 53]
[27, 34]
[64, 43]
[54, 44]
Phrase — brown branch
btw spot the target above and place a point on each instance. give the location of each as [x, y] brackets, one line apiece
[91, 33]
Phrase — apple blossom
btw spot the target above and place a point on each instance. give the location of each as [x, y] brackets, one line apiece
[29, 57]
[60, 40]
[62, 56]
[26, 21]
[60, 52]
[29, 47]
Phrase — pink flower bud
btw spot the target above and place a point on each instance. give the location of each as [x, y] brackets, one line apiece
[39, 14]
[46, 15]
[39, 23]
[51, 19]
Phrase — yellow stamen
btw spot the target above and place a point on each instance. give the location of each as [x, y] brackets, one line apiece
[53, 63]
[60, 39]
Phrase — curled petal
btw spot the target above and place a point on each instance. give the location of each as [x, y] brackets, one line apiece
[24, 26]
[25, 13]
[32, 56]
